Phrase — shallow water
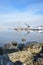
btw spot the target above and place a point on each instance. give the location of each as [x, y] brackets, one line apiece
[8, 36]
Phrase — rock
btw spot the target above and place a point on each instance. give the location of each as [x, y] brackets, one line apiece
[1, 50]
[21, 46]
[10, 45]
[22, 56]
[31, 54]
[23, 39]
[18, 63]
[14, 43]
[40, 60]
[4, 60]
[34, 48]
[9, 48]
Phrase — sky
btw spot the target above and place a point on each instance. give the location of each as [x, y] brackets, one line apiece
[15, 13]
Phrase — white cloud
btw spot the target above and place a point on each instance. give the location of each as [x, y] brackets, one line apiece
[20, 18]
[28, 16]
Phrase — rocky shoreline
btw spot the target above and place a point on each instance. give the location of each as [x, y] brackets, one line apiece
[30, 53]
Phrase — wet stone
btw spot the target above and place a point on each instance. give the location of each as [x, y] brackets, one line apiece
[1, 50]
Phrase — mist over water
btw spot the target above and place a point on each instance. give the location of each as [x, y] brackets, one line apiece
[11, 35]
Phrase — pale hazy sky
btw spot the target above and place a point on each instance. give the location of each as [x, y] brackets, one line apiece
[18, 12]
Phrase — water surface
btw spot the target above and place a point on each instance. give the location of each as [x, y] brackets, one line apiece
[10, 35]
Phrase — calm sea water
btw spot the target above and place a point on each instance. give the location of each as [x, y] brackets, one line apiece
[8, 36]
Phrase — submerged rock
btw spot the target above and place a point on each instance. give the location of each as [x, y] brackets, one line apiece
[23, 39]
[14, 43]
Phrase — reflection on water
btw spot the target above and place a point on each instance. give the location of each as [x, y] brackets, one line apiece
[8, 36]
